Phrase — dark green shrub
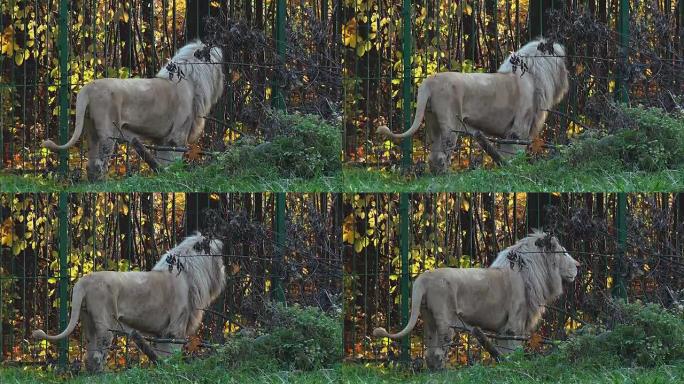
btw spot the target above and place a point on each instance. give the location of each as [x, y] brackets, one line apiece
[294, 337]
[637, 334]
[300, 146]
[652, 141]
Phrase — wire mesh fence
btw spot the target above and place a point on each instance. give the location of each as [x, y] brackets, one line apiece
[280, 248]
[628, 245]
[50, 50]
[614, 49]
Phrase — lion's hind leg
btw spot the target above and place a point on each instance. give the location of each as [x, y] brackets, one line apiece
[98, 342]
[444, 131]
[101, 145]
[438, 335]
[99, 323]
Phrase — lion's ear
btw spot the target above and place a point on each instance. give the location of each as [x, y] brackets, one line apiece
[545, 243]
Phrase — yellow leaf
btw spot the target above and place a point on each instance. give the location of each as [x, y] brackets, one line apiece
[359, 244]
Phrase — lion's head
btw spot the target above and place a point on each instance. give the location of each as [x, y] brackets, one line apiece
[543, 265]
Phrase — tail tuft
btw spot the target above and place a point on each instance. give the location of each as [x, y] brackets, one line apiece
[380, 332]
[383, 130]
[39, 334]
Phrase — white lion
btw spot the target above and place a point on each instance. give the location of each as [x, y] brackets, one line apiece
[166, 110]
[509, 104]
[507, 298]
[164, 302]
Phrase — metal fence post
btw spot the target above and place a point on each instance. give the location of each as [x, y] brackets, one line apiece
[278, 100]
[63, 219]
[63, 47]
[619, 289]
[405, 277]
[278, 290]
[622, 89]
[406, 144]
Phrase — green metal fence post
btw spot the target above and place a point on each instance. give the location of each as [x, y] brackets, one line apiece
[278, 291]
[619, 289]
[406, 143]
[63, 218]
[405, 277]
[62, 215]
[622, 89]
[278, 99]
[63, 47]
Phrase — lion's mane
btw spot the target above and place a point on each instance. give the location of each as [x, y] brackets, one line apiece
[202, 267]
[547, 68]
[207, 78]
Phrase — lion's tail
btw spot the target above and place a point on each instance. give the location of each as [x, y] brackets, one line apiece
[416, 299]
[76, 300]
[423, 97]
[82, 101]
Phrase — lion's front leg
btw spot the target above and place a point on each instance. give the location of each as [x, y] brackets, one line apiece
[507, 346]
[196, 130]
[177, 137]
[509, 150]
[166, 350]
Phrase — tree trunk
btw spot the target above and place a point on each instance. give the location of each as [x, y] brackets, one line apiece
[150, 253]
[148, 38]
[195, 12]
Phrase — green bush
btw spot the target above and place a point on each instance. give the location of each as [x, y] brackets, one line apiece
[293, 338]
[644, 335]
[301, 146]
[652, 141]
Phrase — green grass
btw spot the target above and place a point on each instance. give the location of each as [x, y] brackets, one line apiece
[518, 176]
[518, 372]
[173, 180]
[196, 372]
[546, 176]
[539, 370]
